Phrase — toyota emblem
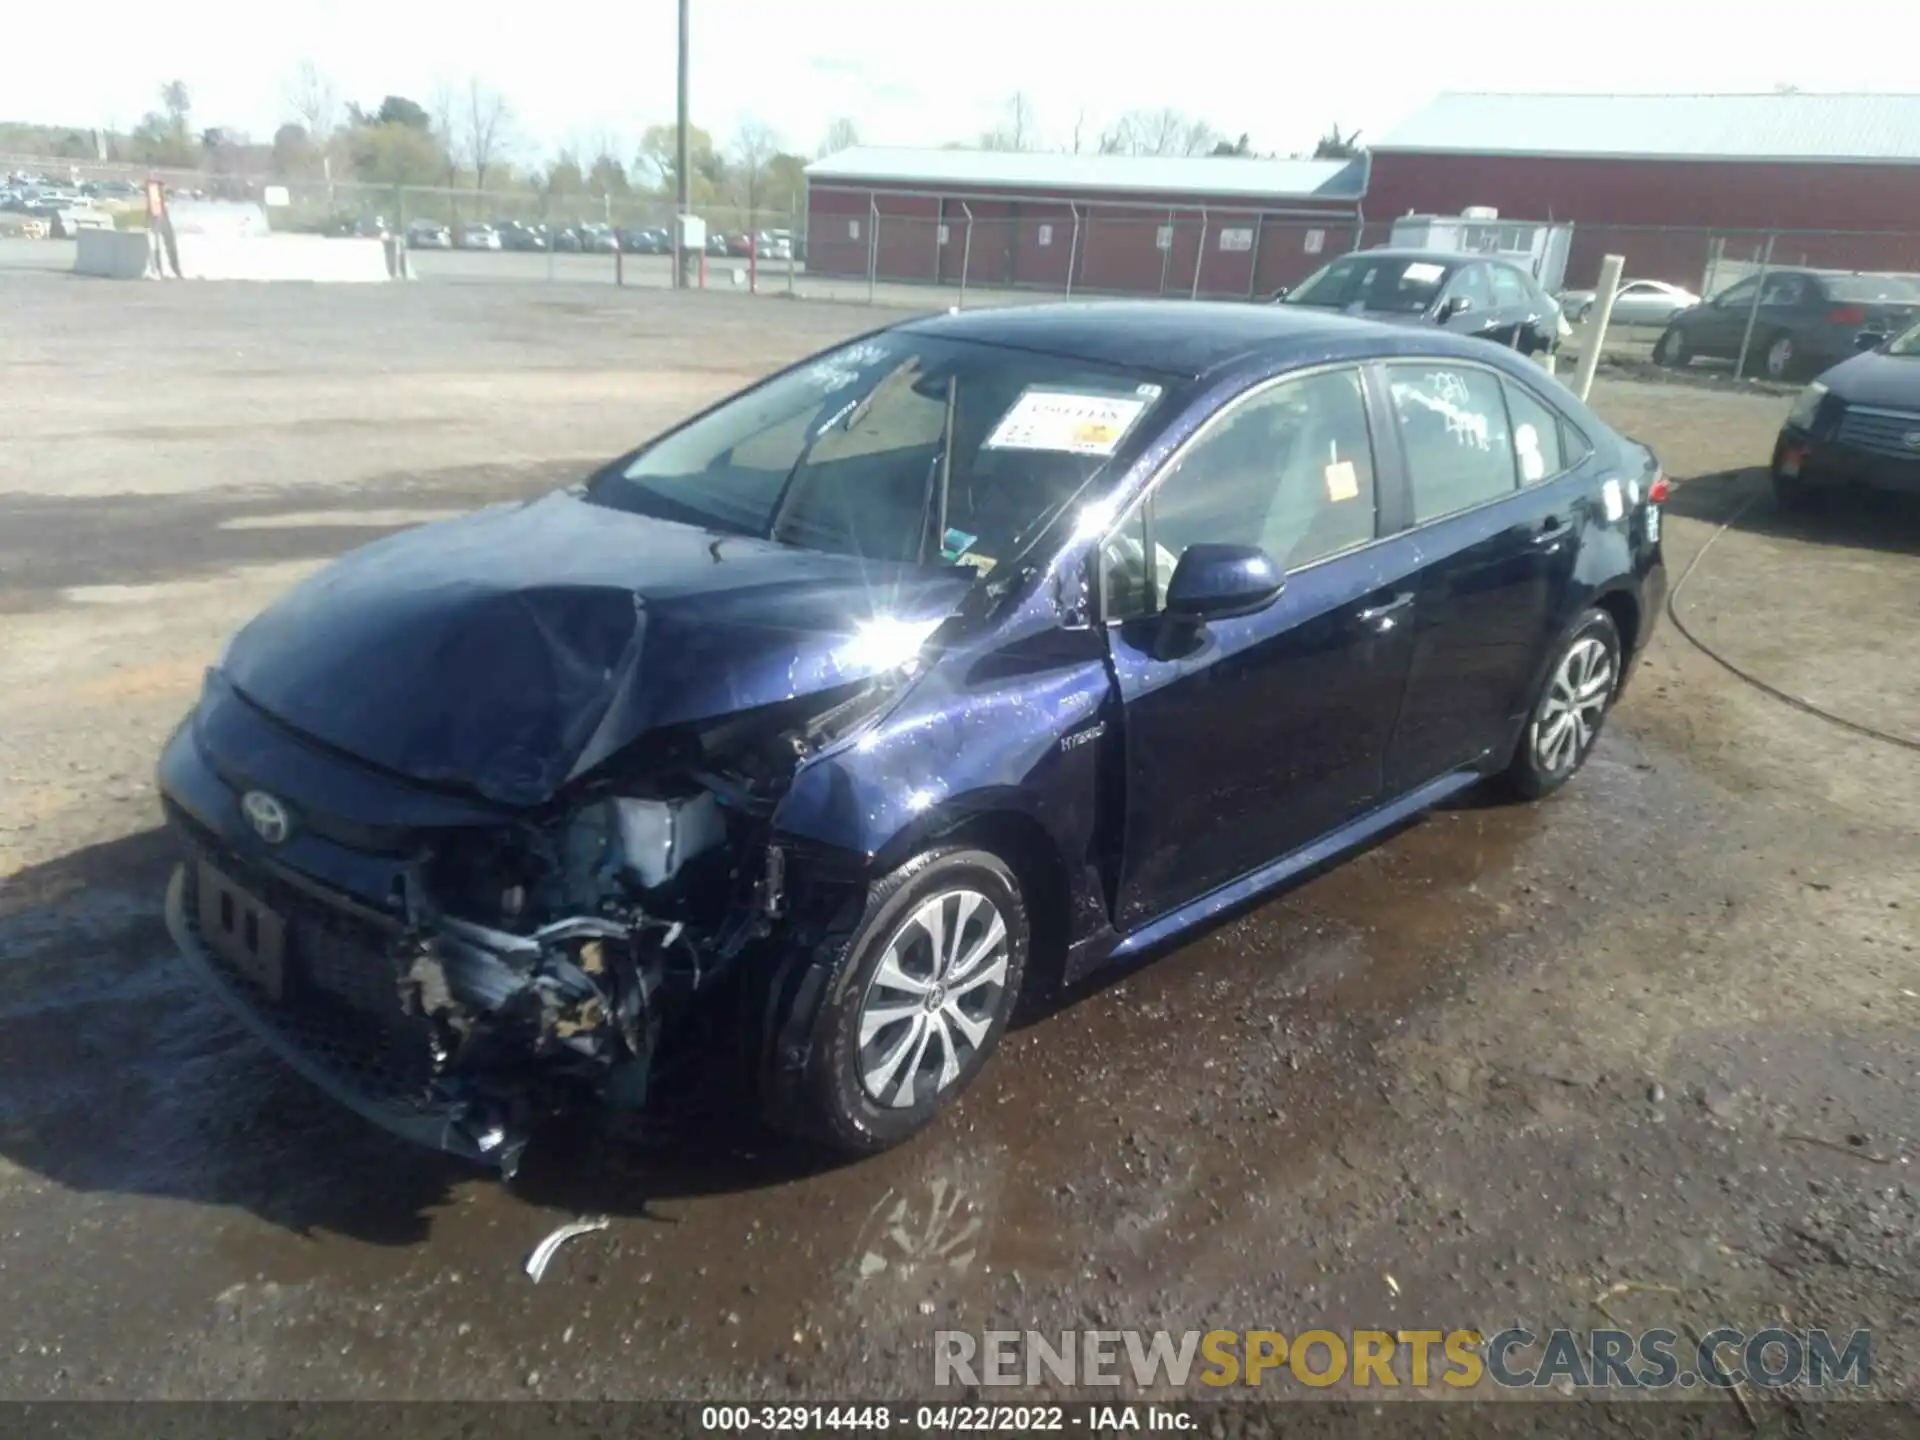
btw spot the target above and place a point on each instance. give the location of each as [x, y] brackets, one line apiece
[267, 816]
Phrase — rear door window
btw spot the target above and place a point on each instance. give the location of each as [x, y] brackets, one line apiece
[1509, 289]
[1459, 444]
[1784, 291]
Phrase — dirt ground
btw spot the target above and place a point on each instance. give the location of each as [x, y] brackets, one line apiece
[1661, 1032]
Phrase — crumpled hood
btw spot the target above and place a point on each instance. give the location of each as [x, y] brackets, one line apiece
[514, 649]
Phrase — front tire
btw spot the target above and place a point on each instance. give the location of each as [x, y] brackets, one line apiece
[915, 1002]
[1570, 709]
[1672, 350]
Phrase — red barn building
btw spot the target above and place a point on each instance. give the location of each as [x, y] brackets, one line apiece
[1670, 181]
[1223, 227]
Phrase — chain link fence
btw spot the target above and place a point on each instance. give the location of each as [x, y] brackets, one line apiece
[929, 249]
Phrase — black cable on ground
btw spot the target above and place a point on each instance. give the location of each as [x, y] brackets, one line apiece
[1673, 614]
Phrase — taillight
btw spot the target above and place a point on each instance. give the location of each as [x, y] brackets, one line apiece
[1847, 315]
[1658, 491]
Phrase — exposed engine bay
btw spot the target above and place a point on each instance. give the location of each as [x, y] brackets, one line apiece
[551, 959]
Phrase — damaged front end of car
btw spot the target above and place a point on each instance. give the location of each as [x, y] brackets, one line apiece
[562, 960]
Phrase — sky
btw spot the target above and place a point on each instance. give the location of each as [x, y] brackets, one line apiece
[916, 72]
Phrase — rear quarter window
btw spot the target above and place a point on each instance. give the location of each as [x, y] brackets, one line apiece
[1545, 442]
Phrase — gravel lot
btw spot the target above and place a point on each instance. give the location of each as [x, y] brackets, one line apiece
[1658, 1032]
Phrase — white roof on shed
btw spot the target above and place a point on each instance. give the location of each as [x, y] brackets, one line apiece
[1667, 127]
[1240, 177]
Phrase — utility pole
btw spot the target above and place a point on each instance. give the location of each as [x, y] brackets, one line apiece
[681, 208]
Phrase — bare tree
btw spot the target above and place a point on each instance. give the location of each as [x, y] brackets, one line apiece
[485, 119]
[314, 101]
[754, 145]
[842, 134]
[1079, 128]
[1158, 132]
[1016, 130]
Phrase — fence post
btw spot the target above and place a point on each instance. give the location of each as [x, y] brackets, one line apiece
[1610, 268]
[1166, 256]
[966, 253]
[1753, 311]
[1073, 248]
[795, 238]
[1199, 254]
[1253, 267]
[873, 245]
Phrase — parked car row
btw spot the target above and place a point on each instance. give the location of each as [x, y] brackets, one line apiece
[585, 237]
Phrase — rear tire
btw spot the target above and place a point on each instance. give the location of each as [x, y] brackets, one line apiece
[1781, 359]
[915, 1002]
[1571, 708]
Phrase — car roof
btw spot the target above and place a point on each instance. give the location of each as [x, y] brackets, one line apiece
[1191, 339]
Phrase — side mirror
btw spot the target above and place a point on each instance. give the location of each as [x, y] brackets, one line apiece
[1281, 294]
[1218, 582]
[1869, 340]
[1455, 305]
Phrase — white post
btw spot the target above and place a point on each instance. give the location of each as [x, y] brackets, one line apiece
[1610, 268]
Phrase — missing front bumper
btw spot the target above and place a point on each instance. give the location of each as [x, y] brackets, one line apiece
[383, 1075]
[453, 1037]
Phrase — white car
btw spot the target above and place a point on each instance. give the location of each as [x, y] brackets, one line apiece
[1637, 302]
[479, 237]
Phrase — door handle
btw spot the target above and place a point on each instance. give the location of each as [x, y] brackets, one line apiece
[1550, 534]
[1383, 617]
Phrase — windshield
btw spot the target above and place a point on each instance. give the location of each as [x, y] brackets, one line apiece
[1393, 283]
[1907, 342]
[900, 448]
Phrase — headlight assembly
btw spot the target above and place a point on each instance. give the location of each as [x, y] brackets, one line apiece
[1808, 404]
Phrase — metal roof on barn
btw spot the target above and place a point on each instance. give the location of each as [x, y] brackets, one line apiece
[1778, 126]
[1205, 175]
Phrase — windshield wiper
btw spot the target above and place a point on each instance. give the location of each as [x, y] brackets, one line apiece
[843, 420]
[933, 511]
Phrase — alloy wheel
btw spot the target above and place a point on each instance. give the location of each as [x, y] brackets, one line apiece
[1575, 702]
[933, 998]
[1780, 357]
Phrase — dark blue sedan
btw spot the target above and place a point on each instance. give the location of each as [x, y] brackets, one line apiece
[979, 653]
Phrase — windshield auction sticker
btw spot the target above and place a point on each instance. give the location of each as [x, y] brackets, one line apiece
[1066, 421]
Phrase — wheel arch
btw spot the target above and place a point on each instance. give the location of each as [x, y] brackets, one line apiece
[997, 822]
[1624, 609]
